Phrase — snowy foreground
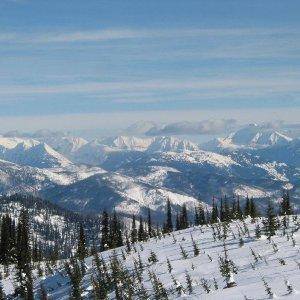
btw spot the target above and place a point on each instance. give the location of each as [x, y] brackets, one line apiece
[277, 261]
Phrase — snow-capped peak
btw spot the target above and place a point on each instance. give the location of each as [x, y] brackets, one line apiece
[171, 144]
[128, 142]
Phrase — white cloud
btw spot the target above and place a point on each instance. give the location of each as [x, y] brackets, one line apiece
[112, 121]
[130, 33]
[230, 85]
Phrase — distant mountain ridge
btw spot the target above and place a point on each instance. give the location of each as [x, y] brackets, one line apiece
[131, 173]
[250, 136]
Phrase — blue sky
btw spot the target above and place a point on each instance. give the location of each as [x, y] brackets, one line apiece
[123, 61]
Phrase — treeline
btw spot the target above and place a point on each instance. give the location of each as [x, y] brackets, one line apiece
[53, 229]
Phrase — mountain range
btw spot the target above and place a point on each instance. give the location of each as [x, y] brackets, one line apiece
[131, 174]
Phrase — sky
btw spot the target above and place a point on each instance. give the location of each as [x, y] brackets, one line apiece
[73, 64]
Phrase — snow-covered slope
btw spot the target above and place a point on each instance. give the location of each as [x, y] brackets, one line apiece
[65, 145]
[31, 152]
[16, 178]
[93, 153]
[202, 174]
[256, 259]
[114, 191]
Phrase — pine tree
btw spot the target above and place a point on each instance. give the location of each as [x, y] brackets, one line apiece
[270, 225]
[196, 216]
[189, 283]
[149, 223]
[23, 258]
[257, 231]
[227, 214]
[152, 258]
[183, 252]
[195, 247]
[286, 208]
[239, 210]
[116, 239]
[214, 213]
[247, 210]
[221, 209]
[81, 248]
[101, 279]
[160, 292]
[267, 289]
[105, 239]
[183, 218]
[73, 270]
[141, 232]
[134, 236]
[233, 212]
[177, 222]
[7, 241]
[121, 279]
[142, 293]
[254, 213]
[202, 218]
[227, 268]
[170, 268]
[205, 285]
[169, 223]
[289, 287]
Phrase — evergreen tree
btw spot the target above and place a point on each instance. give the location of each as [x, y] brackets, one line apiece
[169, 223]
[233, 212]
[254, 213]
[183, 218]
[170, 268]
[214, 213]
[247, 210]
[81, 248]
[202, 219]
[239, 210]
[121, 279]
[73, 270]
[227, 268]
[195, 247]
[116, 239]
[197, 217]
[286, 208]
[152, 258]
[160, 292]
[221, 209]
[189, 283]
[149, 223]
[141, 232]
[270, 223]
[257, 231]
[183, 252]
[105, 239]
[177, 224]
[7, 241]
[134, 236]
[23, 258]
[227, 214]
